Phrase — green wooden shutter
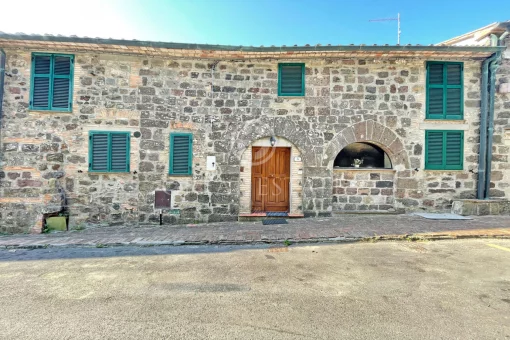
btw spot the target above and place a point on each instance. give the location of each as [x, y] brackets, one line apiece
[445, 94]
[454, 150]
[434, 150]
[444, 150]
[62, 74]
[99, 151]
[454, 91]
[52, 82]
[181, 153]
[41, 82]
[119, 152]
[109, 151]
[291, 79]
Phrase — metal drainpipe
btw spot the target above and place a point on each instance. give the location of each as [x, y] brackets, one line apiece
[480, 189]
[493, 67]
[2, 76]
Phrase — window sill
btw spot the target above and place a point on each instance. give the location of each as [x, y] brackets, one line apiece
[48, 111]
[444, 170]
[447, 121]
[459, 125]
[291, 97]
[108, 173]
[365, 169]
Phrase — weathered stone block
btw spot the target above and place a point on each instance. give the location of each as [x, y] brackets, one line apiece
[55, 157]
[384, 184]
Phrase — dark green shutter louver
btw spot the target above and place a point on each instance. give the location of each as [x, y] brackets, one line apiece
[444, 150]
[436, 74]
[453, 153]
[109, 151]
[119, 152]
[61, 82]
[291, 80]
[41, 81]
[99, 152]
[435, 97]
[52, 76]
[434, 149]
[181, 153]
[445, 90]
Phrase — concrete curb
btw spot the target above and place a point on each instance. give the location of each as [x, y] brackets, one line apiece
[339, 239]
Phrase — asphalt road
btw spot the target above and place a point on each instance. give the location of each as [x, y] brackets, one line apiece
[436, 290]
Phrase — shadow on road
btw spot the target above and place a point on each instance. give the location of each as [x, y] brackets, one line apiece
[7, 255]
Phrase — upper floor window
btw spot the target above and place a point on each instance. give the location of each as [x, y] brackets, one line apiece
[52, 82]
[291, 79]
[445, 90]
[109, 151]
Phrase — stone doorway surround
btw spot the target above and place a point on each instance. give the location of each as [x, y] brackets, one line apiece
[296, 175]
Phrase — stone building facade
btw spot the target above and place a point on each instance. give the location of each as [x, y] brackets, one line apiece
[495, 34]
[229, 102]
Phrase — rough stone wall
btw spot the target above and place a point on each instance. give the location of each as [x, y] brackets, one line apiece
[500, 175]
[363, 190]
[226, 109]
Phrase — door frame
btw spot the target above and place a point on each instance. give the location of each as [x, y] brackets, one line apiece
[296, 176]
[265, 194]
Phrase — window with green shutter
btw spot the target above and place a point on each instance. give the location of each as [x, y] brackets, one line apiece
[445, 90]
[52, 82]
[291, 79]
[444, 150]
[109, 151]
[181, 153]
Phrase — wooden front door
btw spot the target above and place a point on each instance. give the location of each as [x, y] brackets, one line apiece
[270, 179]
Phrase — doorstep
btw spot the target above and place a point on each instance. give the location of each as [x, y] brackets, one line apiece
[262, 215]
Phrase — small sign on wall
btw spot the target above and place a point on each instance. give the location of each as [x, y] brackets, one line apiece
[211, 162]
[297, 159]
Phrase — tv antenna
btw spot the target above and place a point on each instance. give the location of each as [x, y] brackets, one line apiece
[397, 19]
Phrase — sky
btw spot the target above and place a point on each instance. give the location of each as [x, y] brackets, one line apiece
[254, 22]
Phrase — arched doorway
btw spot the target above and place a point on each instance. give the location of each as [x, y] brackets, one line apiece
[271, 177]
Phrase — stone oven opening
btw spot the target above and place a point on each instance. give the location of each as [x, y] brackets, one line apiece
[369, 155]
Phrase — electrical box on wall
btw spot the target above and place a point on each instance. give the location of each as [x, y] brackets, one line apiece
[211, 162]
[162, 199]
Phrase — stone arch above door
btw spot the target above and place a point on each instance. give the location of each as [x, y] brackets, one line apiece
[265, 127]
[372, 132]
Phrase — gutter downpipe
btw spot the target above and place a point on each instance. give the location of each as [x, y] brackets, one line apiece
[2, 76]
[493, 67]
[480, 192]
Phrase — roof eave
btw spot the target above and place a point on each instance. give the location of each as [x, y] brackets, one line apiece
[20, 38]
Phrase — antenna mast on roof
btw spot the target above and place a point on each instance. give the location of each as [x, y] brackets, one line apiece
[392, 19]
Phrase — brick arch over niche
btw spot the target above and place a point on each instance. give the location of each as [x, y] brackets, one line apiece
[371, 132]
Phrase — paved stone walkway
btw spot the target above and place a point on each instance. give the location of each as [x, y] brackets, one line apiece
[332, 229]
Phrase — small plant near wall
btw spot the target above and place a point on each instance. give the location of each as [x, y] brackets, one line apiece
[356, 162]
